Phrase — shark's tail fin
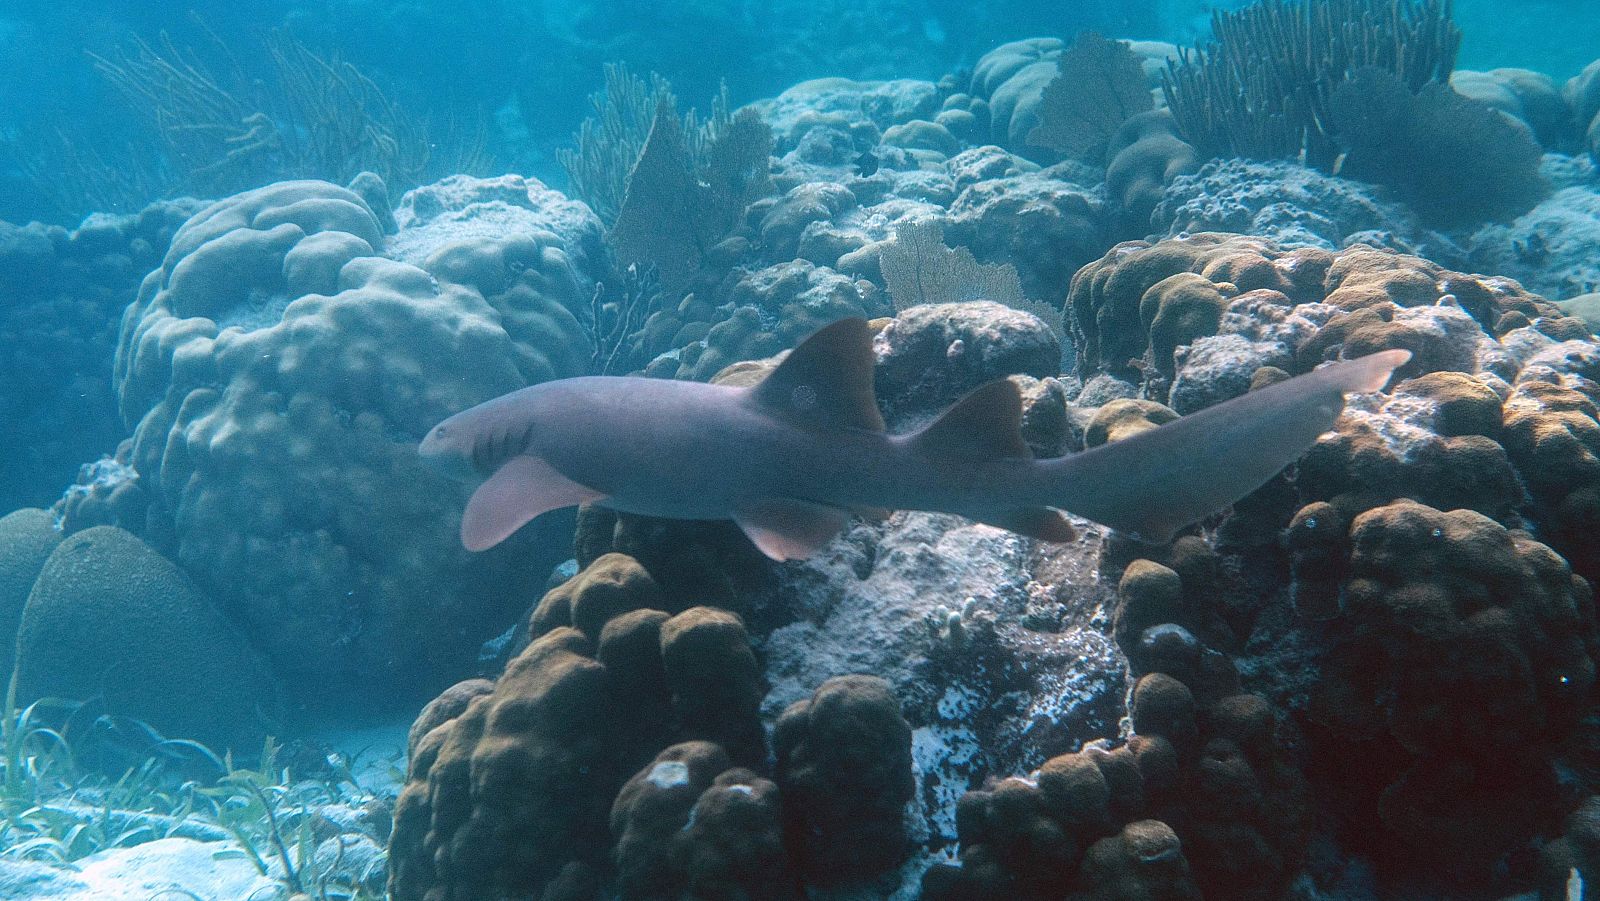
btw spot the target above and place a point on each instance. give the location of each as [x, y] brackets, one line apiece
[1157, 482]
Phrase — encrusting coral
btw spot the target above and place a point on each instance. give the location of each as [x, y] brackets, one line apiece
[63, 291]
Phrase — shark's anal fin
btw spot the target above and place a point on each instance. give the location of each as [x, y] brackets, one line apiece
[522, 488]
[985, 424]
[789, 529]
[1035, 522]
[826, 382]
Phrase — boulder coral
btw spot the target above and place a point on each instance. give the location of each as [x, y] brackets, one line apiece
[1582, 93]
[111, 622]
[277, 372]
[1146, 155]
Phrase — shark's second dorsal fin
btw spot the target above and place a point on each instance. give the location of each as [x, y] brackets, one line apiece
[986, 424]
[826, 382]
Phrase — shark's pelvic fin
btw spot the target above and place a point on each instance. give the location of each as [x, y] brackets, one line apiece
[789, 529]
[984, 425]
[522, 488]
[1035, 522]
[826, 382]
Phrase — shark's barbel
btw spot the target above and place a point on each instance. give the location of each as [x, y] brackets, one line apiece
[790, 458]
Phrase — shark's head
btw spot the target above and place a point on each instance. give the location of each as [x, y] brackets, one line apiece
[448, 450]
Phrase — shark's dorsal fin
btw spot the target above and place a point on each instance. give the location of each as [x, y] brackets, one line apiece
[986, 424]
[789, 529]
[522, 488]
[826, 382]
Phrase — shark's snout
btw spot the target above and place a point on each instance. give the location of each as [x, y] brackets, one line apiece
[446, 451]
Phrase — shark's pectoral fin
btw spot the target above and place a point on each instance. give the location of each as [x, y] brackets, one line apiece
[522, 488]
[789, 529]
[1035, 522]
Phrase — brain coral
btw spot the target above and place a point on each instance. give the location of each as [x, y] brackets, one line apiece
[278, 373]
[111, 621]
[27, 537]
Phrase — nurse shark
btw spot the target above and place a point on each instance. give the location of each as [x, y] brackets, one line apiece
[790, 458]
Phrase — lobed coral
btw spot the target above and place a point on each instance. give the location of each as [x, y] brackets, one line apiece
[1430, 635]
[1130, 312]
[277, 373]
[543, 783]
[1582, 94]
[1462, 655]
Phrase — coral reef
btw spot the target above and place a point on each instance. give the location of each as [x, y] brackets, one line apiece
[277, 373]
[112, 622]
[844, 768]
[1146, 155]
[524, 786]
[691, 825]
[1263, 86]
[1582, 93]
[1099, 85]
[927, 707]
[1462, 655]
[931, 355]
[1531, 98]
[1549, 248]
[1291, 205]
[62, 292]
[1407, 139]
[27, 537]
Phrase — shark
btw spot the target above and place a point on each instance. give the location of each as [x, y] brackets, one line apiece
[791, 458]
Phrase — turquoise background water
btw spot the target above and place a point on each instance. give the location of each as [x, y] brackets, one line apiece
[521, 71]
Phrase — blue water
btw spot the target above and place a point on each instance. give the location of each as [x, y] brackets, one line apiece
[521, 72]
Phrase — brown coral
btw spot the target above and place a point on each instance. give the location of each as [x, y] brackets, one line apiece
[1464, 653]
[844, 766]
